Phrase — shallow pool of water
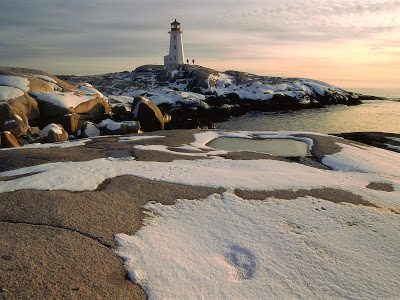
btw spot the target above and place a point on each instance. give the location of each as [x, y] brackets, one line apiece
[278, 147]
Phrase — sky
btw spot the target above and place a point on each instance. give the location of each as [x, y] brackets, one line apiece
[349, 43]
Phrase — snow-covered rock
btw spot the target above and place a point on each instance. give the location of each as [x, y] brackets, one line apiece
[37, 94]
[53, 133]
[195, 92]
[109, 126]
[89, 129]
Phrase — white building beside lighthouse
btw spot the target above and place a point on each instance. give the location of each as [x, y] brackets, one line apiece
[176, 55]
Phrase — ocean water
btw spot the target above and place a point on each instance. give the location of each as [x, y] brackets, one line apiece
[372, 115]
[393, 93]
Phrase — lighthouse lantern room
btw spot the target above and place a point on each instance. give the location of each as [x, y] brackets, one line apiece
[176, 55]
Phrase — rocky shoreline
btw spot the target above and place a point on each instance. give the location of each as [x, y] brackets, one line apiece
[39, 107]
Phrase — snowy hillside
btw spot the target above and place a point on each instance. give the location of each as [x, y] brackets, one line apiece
[221, 94]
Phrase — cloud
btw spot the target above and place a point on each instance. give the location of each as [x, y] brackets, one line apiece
[317, 20]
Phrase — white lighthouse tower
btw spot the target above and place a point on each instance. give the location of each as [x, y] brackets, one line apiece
[176, 55]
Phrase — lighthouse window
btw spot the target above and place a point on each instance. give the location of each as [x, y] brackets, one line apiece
[174, 37]
[174, 47]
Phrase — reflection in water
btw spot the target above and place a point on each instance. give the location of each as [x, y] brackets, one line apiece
[380, 116]
[279, 147]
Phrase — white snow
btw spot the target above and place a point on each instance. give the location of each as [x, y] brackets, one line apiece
[15, 81]
[166, 95]
[264, 89]
[51, 127]
[364, 159]
[45, 78]
[139, 137]
[136, 108]
[8, 122]
[65, 99]
[224, 247]
[89, 89]
[173, 73]
[110, 124]
[9, 92]
[66, 144]
[122, 99]
[91, 130]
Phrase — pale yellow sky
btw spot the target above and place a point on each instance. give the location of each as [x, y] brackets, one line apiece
[349, 43]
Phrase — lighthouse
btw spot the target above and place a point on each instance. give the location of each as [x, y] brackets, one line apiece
[176, 55]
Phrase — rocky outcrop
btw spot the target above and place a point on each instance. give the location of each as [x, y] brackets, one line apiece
[158, 97]
[33, 97]
[193, 95]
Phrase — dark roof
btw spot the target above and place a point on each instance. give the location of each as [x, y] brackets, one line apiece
[175, 22]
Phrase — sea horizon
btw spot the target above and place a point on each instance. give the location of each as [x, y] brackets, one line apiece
[392, 93]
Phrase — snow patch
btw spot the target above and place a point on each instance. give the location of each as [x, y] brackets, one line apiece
[110, 124]
[15, 81]
[224, 247]
[364, 159]
[139, 137]
[45, 78]
[215, 172]
[89, 89]
[66, 99]
[91, 130]
[9, 92]
[51, 127]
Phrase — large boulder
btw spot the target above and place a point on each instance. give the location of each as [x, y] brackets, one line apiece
[12, 120]
[20, 100]
[70, 122]
[53, 133]
[8, 140]
[91, 107]
[147, 113]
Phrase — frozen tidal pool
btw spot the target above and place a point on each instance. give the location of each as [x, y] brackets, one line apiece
[278, 147]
